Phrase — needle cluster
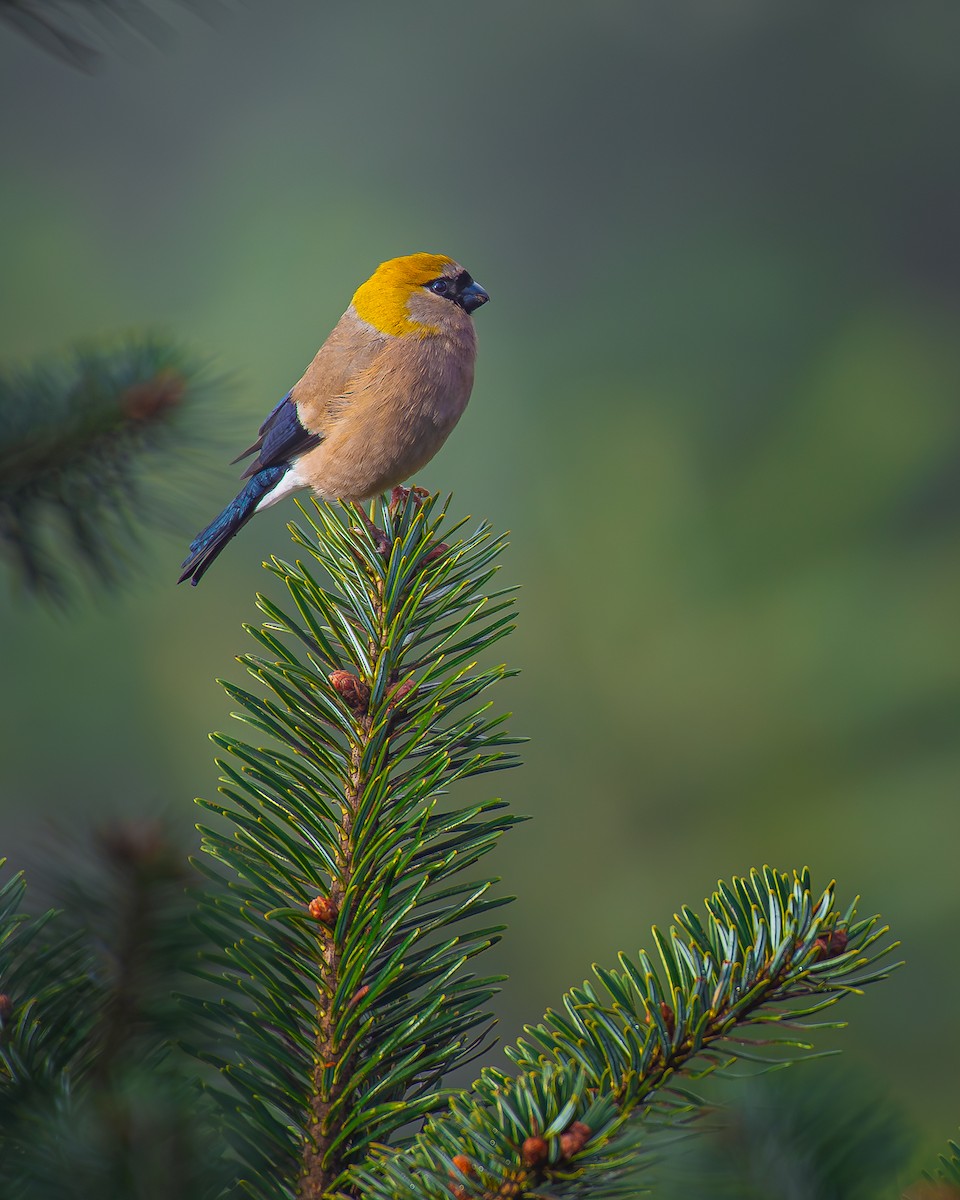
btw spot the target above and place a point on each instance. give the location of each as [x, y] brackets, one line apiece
[81, 438]
[352, 913]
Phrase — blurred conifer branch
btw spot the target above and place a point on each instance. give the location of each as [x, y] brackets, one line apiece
[824, 1130]
[82, 441]
[95, 1098]
[945, 1183]
[71, 29]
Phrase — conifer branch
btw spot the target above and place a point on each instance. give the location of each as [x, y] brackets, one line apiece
[47, 1004]
[770, 955]
[66, 28]
[349, 928]
[78, 440]
[93, 1092]
[945, 1183]
[344, 918]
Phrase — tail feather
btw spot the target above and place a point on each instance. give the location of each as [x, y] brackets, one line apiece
[210, 541]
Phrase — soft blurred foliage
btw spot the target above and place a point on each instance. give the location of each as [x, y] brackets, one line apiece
[93, 446]
[716, 405]
[96, 1095]
[76, 30]
[811, 1133]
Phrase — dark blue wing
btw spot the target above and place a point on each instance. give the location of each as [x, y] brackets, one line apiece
[282, 439]
[210, 541]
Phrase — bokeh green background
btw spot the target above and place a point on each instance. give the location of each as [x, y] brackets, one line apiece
[718, 405]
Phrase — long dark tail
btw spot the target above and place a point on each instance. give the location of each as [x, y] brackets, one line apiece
[209, 542]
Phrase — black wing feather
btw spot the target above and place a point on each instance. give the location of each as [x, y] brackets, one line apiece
[282, 439]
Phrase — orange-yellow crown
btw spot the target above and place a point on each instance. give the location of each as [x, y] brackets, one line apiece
[382, 300]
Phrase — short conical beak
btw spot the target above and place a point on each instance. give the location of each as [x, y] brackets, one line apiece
[472, 297]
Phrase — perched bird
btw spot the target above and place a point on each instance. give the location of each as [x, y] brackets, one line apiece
[375, 405]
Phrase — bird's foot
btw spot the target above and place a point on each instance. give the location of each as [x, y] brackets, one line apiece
[377, 536]
[398, 497]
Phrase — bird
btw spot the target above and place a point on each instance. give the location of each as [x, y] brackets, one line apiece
[374, 406]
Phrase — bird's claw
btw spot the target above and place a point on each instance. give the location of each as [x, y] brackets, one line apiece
[398, 497]
[377, 536]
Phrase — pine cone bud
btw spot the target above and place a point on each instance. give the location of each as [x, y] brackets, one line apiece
[6, 1007]
[933, 1190]
[831, 945]
[439, 549]
[465, 1167]
[148, 399]
[402, 692]
[574, 1138]
[534, 1152]
[324, 910]
[352, 691]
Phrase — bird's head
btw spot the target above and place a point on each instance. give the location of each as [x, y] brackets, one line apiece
[418, 294]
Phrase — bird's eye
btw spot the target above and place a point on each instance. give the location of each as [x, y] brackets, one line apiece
[439, 286]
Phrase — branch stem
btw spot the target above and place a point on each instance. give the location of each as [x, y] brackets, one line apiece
[321, 1165]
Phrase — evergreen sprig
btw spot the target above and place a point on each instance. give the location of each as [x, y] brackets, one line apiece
[352, 916]
[342, 917]
[78, 439]
[944, 1184]
[47, 1006]
[949, 1170]
[94, 1097]
[770, 954]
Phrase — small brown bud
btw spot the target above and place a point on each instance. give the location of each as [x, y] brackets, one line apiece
[534, 1152]
[146, 400]
[139, 845]
[666, 1012]
[358, 995]
[6, 1007]
[352, 691]
[465, 1167]
[930, 1190]
[574, 1138]
[439, 549]
[831, 945]
[837, 944]
[402, 692]
[324, 910]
